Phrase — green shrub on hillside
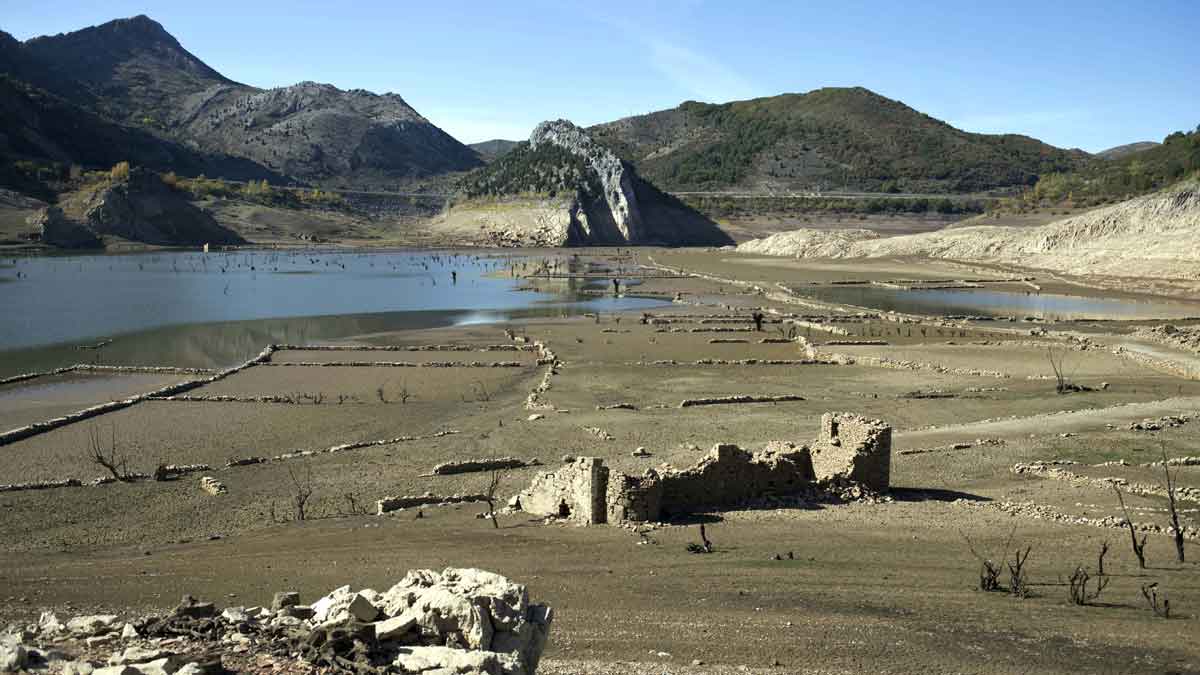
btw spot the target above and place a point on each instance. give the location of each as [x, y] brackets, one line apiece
[548, 170]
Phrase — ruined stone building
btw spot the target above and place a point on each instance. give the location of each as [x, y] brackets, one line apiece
[850, 448]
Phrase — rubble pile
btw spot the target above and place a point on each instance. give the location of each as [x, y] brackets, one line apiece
[460, 621]
[1165, 422]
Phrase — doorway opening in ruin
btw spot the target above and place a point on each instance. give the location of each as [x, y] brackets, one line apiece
[564, 511]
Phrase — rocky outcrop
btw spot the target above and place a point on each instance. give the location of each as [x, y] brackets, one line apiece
[616, 179]
[143, 208]
[57, 230]
[454, 622]
[562, 188]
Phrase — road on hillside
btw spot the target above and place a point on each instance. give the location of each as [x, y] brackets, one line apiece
[727, 194]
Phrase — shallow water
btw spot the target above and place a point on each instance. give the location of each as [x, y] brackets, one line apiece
[192, 309]
[984, 302]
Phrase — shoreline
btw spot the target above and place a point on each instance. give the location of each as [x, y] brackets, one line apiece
[878, 584]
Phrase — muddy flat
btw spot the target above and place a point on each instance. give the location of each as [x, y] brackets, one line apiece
[861, 586]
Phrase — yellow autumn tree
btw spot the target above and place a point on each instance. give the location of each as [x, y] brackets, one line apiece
[120, 171]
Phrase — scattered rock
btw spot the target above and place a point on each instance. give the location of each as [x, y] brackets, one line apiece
[193, 609]
[212, 486]
[91, 624]
[13, 656]
[285, 599]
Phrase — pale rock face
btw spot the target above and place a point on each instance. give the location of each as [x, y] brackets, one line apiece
[90, 625]
[479, 609]
[48, 623]
[447, 661]
[13, 657]
[615, 179]
[328, 608]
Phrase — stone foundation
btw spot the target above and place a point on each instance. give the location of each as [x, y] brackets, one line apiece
[850, 449]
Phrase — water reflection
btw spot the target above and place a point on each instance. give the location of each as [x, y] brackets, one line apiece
[192, 310]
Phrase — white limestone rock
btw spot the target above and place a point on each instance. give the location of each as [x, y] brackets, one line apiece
[13, 656]
[615, 178]
[448, 661]
[91, 624]
[474, 609]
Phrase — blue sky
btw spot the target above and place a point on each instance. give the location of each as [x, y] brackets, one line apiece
[1075, 74]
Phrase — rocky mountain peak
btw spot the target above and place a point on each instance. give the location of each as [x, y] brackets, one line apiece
[615, 177]
[94, 54]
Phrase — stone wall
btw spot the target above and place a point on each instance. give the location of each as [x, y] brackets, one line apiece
[577, 491]
[634, 498]
[729, 476]
[853, 448]
[850, 449]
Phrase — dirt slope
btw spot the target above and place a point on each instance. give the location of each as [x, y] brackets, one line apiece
[1157, 235]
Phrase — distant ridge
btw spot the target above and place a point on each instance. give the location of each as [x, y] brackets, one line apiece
[827, 139]
[1127, 149]
[493, 149]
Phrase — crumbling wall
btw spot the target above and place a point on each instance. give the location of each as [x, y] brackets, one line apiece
[578, 491]
[634, 498]
[853, 448]
[729, 476]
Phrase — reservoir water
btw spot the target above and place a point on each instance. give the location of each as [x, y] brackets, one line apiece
[206, 310]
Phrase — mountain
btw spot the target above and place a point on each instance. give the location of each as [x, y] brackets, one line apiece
[563, 188]
[317, 132]
[39, 125]
[1155, 235]
[1127, 149]
[136, 70]
[493, 149]
[132, 72]
[833, 138]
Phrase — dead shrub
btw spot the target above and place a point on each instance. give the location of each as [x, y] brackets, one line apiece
[1079, 582]
[110, 456]
[1159, 604]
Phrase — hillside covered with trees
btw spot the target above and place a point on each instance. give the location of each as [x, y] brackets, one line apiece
[827, 139]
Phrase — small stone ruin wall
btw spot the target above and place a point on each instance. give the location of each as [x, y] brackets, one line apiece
[855, 449]
[850, 449]
[635, 499]
[577, 491]
[730, 476]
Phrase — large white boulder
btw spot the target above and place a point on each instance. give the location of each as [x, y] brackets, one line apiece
[473, 609]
